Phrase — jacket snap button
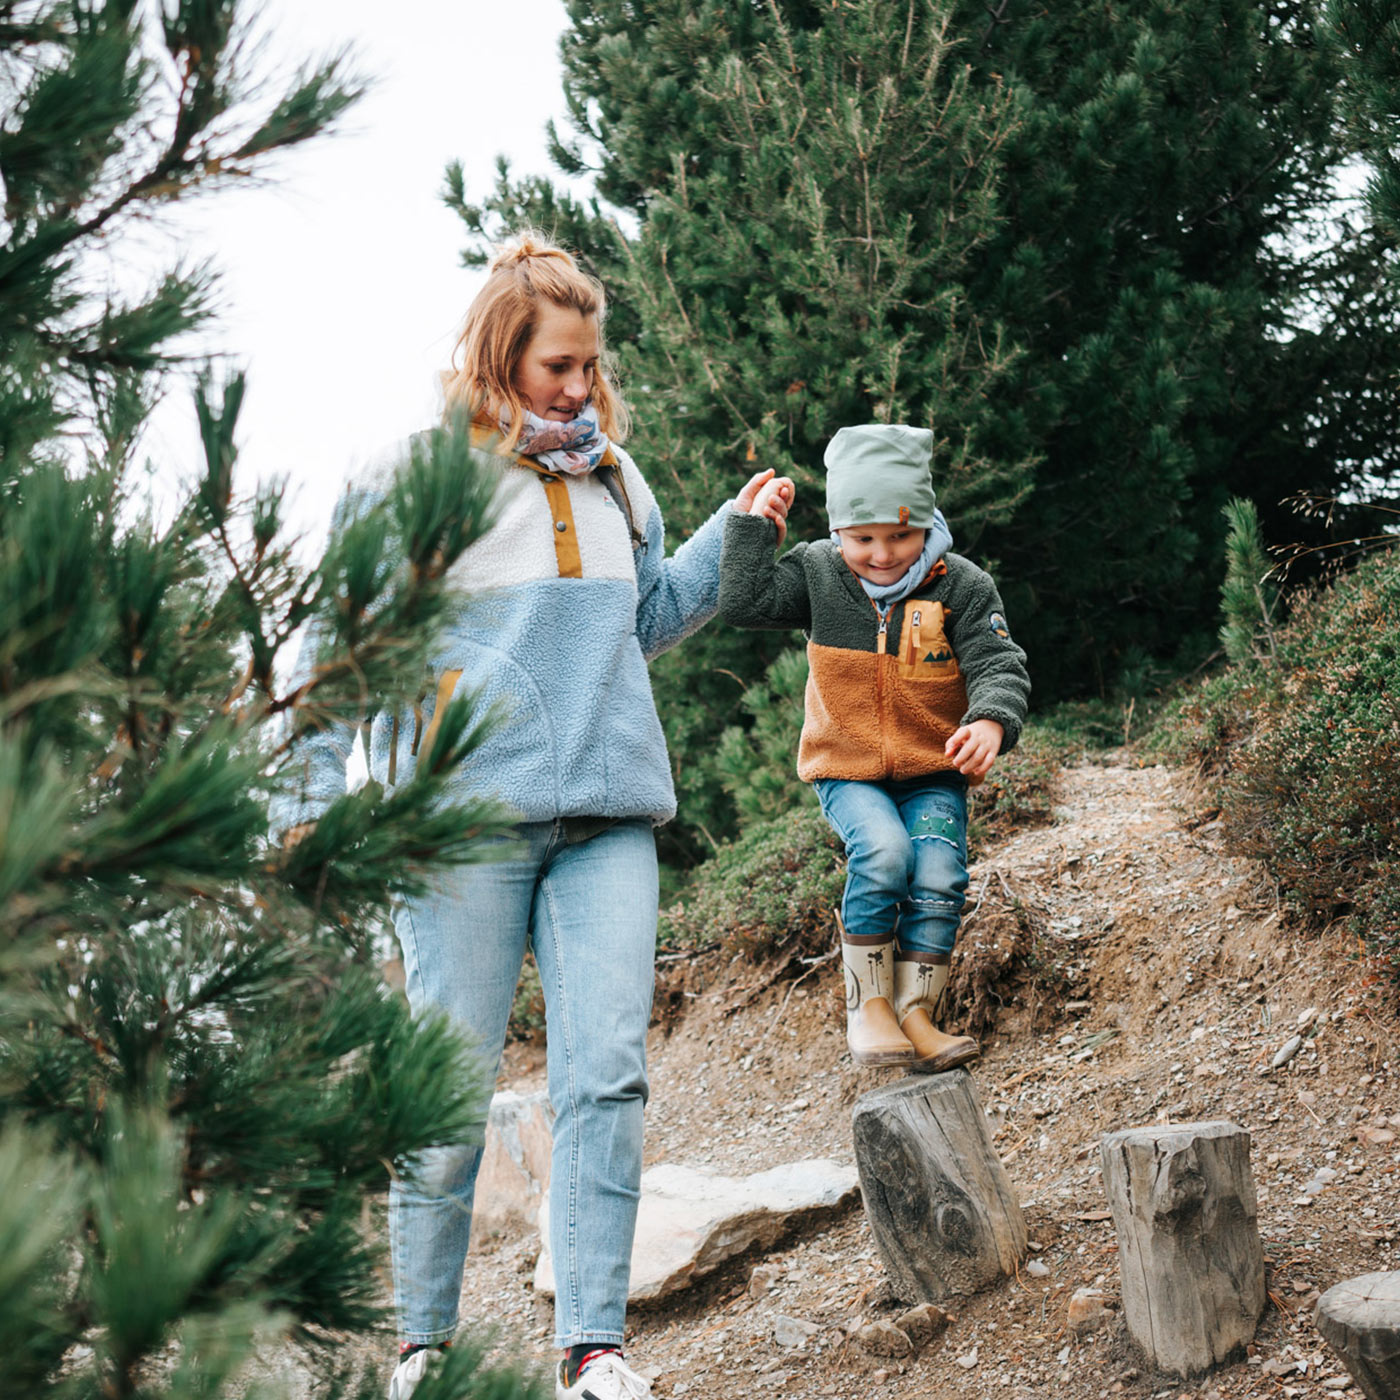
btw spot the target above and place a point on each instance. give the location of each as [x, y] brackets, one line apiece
[561, 526]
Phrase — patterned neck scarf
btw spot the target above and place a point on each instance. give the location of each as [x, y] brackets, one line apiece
[575, 447]
[938, 540]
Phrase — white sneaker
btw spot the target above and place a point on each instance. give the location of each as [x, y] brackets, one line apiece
[410, 1371]
[607, 1378]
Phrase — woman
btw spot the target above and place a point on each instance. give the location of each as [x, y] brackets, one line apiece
[568, 596]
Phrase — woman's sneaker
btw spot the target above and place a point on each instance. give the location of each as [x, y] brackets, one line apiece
[606, 1377]
[410, 1371]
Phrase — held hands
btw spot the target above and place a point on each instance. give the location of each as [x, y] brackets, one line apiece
[974, 747]
[770, 495]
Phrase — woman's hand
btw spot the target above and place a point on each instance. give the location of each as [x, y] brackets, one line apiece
[975, 746]
[770, 495]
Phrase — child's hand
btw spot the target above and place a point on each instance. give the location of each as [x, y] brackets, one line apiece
[768, 495]
[975, 746]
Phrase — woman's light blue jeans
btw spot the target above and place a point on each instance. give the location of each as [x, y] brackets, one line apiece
[906, 857]
[587, 907]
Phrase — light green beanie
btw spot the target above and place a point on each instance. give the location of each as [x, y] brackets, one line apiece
[878, 474]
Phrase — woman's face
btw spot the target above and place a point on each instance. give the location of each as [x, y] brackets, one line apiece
[555, 372]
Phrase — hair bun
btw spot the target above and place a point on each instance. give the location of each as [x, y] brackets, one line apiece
[528, 243]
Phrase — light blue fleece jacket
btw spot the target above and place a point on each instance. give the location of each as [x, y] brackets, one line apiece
[563, 659]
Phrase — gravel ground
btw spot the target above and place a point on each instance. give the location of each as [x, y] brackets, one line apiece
[1160, 985]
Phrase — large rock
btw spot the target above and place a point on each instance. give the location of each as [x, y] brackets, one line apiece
[514, 1175]
[689, 1221]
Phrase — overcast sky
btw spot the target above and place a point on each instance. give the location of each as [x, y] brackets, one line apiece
[342, 287]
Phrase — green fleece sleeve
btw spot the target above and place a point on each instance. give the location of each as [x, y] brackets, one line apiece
[757, 589]
[993, 666]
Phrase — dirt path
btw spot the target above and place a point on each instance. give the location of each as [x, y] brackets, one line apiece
[1176, 983]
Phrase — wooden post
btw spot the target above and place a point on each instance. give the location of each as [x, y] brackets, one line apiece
[940, 1204]
[1361, 1321]
[1189, 1251]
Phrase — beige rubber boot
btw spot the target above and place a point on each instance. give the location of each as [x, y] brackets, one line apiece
[872, 1032]
[919, 982]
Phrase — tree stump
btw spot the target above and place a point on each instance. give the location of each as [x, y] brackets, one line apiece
[940, 1204]
[1361, 1321]
[1192, 1263]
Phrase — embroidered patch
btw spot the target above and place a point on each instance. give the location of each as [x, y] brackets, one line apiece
[998, 625]
[904, 515]
[936, 825]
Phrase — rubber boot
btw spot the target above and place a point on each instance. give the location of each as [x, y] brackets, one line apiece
[919, 982]
[872, 1032]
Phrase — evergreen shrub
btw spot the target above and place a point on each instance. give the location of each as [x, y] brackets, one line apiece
[1307, 753]
[777, 885]
[757, 765]
[1312, 792]
[1017, 791]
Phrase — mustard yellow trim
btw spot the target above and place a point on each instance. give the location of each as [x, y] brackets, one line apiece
[446, 685]
[561, 512]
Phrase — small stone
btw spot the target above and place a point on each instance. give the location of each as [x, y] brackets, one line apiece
[923, 1323]
[1088, 1308]
[1286, 1051]
[879, 1377]
[1374, 1137]
[1038, 1268]
[793, 1332]
[761, 1280]
[1306, 1018]
[1337, 1383]
[969, 1361]
[883, 1338]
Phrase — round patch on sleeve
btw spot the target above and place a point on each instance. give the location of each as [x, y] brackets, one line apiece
[998, 625]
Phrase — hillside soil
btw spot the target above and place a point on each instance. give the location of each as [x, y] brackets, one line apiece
[1121, 970]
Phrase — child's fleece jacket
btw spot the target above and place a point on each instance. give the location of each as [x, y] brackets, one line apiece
[883, 693]
[562, 608]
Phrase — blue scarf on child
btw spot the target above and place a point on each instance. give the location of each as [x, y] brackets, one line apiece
[938, 540]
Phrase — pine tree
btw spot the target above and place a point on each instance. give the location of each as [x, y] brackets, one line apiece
[1249, 600]
[200, 1075]
[1368, 32]
[1195, 313]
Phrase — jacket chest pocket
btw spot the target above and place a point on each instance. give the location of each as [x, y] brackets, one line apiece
[924, 653]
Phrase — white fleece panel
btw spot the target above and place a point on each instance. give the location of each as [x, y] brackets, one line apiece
[521, 547]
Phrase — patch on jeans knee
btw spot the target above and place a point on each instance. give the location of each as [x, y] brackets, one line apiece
[935, 826]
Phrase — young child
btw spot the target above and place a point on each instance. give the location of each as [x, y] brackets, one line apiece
[915, 687]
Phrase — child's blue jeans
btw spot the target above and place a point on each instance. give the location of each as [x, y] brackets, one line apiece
[906, 856]
[588, 910]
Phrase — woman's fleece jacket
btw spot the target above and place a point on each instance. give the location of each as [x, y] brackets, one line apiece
[561, 611]
[884, 693]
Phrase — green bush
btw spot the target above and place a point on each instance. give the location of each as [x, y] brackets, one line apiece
[1202, 727]
[757, 764]
[1307, 753]
[777, 885]
[1313, 792]
[1017, 790]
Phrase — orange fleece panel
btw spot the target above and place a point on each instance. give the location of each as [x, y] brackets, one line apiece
[865, 721]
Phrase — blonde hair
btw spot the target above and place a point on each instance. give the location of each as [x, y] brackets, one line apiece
[501, 322]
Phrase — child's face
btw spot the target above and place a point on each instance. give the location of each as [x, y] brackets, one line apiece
[881, 553]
